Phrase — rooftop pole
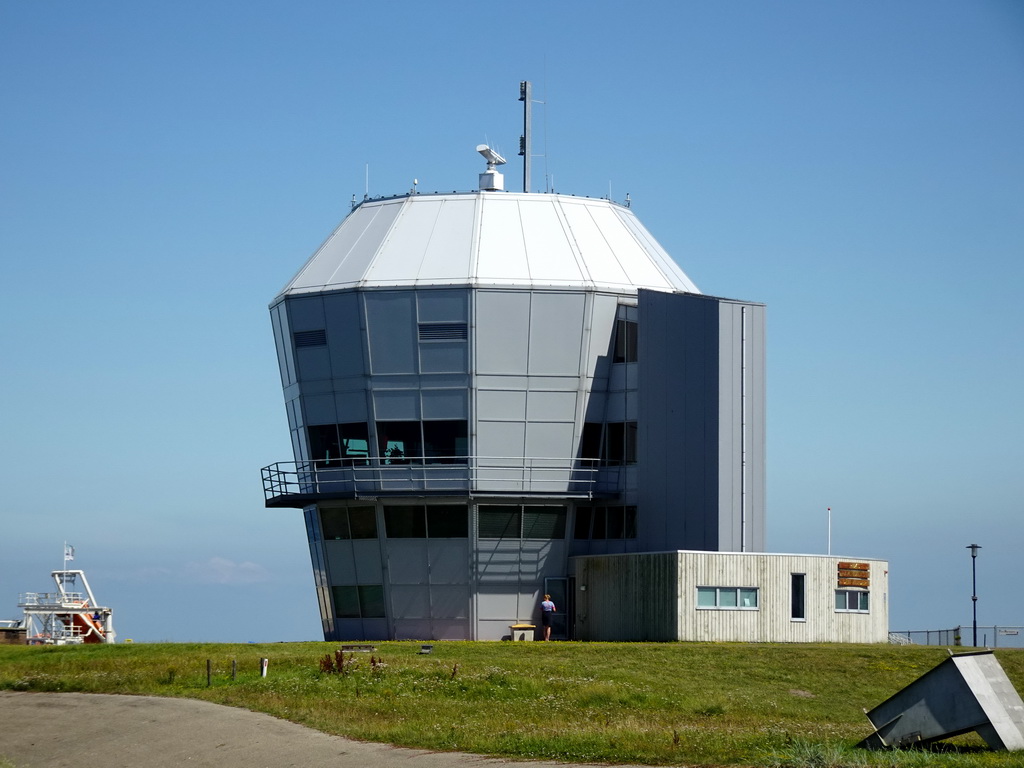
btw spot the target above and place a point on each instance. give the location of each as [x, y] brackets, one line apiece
[525, 96]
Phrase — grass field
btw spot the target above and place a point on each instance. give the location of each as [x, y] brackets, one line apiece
[659, 704]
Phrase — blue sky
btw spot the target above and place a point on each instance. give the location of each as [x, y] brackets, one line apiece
[166, 168]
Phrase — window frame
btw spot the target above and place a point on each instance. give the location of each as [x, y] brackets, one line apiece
[863, 600]
[736, 595]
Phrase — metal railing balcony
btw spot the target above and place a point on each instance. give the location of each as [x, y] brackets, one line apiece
[297, 483]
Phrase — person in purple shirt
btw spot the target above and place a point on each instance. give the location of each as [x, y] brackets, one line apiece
[547, 610]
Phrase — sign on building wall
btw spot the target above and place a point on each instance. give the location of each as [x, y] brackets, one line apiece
[854, 575]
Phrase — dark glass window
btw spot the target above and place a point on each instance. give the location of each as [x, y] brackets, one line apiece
[620, 442]
[324, 446]
[447, 521]
[543, 522]
[405, 522]
[590, 441]
[629, 526]
[398, 441]
[616, 520]
[371, 601]
[334, 523]
[582, 525]
[499, 522]
[346, 602]
[446, 442]
[599, 529]
[625, 341]
[363, 522]
[355, 443]
[797, 596]
[615, 443]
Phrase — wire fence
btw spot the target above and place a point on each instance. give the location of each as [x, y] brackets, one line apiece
[989, 636]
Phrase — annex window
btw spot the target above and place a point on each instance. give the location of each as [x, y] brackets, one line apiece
[355, 443]
[727, 598]
[348, 523]
[797, 612]
[625, 341]
[852, 601]
[359, 602]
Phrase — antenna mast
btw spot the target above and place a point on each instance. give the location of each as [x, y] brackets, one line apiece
[525, 96]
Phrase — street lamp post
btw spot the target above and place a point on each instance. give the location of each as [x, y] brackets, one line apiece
[974, 586]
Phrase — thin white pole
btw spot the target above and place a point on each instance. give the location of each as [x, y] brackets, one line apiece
[830, 530]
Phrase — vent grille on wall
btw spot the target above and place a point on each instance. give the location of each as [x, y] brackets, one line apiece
[310, 338]
[443, 331]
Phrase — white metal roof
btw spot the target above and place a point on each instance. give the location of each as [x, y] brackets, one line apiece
[491, 239]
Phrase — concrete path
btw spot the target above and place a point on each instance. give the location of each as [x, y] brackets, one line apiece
[82, 730]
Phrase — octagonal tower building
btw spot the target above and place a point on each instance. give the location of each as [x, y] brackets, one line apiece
[483, 385]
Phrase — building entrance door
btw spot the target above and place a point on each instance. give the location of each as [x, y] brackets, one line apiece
[558, 589]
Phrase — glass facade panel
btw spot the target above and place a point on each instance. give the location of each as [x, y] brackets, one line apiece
[324, 446]
[346, 602]
[334, 523]
[355, 443]
[371, 601]
[499, 522]
[399, 441]
[748, 598]
[707, 597]
[446, 442]
[581, 528]
[447, 521]
[363, 522]
[405, 522]
[543, 523]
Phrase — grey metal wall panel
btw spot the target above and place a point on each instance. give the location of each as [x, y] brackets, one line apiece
[548, 440]
[449, 561]
[604, 309]
[413, 629]
[551, 406]
[556, 333]
[344, 334]
[341, 566]
[306, 313]
[396, 405]
[443, 306]
[313, 363]
[501, 438]
[451, 629]
[445, 403]
[391, 327]
[678, 421]
[501, 335]
[449, 601]
[501, 405]
[283, 343]
[319, 409]
[494, 603]
[350, 406]
[444, 357]
[410, 602]
[497, 563]
[407, 561]
[366, 555]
